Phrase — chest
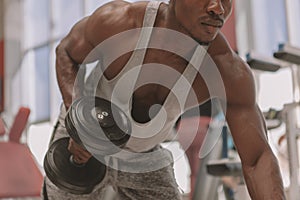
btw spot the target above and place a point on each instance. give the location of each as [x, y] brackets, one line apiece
[157, 75]
[156, 79]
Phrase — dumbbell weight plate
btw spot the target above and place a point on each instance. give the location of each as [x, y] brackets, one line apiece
[70, 126]
[95, 111]
[69, 177]
[100, 121]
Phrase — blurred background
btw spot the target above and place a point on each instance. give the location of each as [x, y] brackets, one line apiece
[31, 29]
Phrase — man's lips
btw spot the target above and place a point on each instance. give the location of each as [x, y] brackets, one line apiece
[216, 24]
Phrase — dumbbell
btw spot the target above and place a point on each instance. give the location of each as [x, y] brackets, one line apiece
[69, 176]
[97, 125]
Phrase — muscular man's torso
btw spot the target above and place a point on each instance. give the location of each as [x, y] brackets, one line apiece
[151, 94]
[117, 17]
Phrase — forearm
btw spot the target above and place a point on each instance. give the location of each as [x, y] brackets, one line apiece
[66, 72]
[264, 180]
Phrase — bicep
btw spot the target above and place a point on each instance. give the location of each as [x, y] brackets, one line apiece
[248, 131]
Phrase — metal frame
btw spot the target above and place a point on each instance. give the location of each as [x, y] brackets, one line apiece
[291, 117]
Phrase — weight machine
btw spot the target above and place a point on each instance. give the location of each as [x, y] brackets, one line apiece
[291, 117]
[287, 56]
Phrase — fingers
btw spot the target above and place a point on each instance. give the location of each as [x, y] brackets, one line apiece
[78, 160]
[80, 155]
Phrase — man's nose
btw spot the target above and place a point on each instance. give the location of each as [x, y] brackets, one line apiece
[215, 7]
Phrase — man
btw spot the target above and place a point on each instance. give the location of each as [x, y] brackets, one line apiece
[201, 21]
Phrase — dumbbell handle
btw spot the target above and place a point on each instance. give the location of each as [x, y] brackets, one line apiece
[76, 164]
[75, 147]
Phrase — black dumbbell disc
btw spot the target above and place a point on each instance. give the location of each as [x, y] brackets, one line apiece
[70, 126]
[69, 177]
[98, 116]
[103, 134]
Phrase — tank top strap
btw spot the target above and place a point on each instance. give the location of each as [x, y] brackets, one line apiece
[148, 24]
[139, 53]
[150, 13]
[129, 74]
[194, 65]
[183, 85]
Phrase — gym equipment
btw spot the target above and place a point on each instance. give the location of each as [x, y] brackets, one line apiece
[21, 177]
[206, 185]
[216, 165]
[258, 62]
[98, 126]
[288, 53]
[224, 167]
[273, 118]
[291, 117]
[67, 174]
[230, 168]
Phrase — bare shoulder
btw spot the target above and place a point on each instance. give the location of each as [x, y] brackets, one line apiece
[237, 75]
[108, 20]
[113, 18]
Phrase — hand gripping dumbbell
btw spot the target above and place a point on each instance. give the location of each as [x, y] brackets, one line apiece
[98, 126]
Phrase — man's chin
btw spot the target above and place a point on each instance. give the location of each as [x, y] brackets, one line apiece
[203, 37]
[204, 42]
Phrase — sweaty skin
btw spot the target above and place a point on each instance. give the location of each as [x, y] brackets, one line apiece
[201, 20]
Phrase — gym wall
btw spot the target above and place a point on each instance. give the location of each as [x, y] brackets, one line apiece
[13, 13]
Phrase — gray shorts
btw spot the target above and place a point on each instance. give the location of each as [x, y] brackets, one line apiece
[154, 185]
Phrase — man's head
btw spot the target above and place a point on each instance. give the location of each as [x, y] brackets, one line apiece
[201, 19]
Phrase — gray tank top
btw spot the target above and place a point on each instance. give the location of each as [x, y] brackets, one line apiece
[119, 90]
